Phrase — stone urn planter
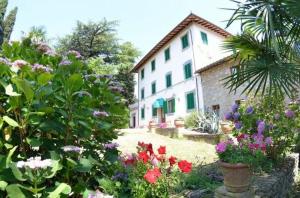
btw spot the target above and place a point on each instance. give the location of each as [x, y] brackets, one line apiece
[152, 125]
[226, 127]
[237, 177]
[179, 123]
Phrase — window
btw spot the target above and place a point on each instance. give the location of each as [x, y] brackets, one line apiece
[142, 73]
[188, 70]
[233, 70]
[153, 88]
[190, 101]
[216, 109]
[204, 38]
[143, 113]
[171, 105]
[169, 80]
[185, 41]
[143, 93]
[167, 54]
[154, 111]
[153, 65]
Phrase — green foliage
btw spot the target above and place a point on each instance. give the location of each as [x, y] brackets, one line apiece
[47, 102]
[267, 51]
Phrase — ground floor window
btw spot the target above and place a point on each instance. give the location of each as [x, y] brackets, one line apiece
[190, 101]
[154, 111]
[171, 105]
[216, 109]
[143, 113]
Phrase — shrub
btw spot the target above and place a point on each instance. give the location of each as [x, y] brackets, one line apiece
[55, 107]
[201, 121]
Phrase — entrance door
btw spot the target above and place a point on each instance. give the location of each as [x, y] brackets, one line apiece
[134, 121]
[161, 115]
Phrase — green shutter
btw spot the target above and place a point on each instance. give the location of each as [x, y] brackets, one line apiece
[143, 93]
[153, 65]
[154, 111]
[190, 101]
[184, 41]
[173, 105]
[188, 70]
[167, 54]
[168, 80]
[143, 113]
[204, 38]
[165, 107]
[142, 74]
[153, 88]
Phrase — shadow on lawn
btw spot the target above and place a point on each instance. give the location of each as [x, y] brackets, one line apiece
[201, 182]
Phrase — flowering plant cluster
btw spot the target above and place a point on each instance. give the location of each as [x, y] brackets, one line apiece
[150, 173]
[270, 117]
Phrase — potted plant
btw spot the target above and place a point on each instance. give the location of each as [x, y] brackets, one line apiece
[239, 157]
[179, 122]
[226, 127]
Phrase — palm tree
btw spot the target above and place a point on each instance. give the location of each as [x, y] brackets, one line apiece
[268, 49]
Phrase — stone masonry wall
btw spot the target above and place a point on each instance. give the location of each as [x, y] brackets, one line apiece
[214, 92]
[277, 184]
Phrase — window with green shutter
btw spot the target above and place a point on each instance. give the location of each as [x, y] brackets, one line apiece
[185, 41]
[190, 101]
[142, 73]
[143, 93]
[171, 105]
[153, 65]
[154, 111]
[204, 38]
[153, 88]
[169, 80]
[188, 70]
[167, 54]
[143, 113]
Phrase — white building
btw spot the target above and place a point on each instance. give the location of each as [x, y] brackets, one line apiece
[167, 84]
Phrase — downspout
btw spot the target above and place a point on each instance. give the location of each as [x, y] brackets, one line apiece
[138, 90]
[194, 65]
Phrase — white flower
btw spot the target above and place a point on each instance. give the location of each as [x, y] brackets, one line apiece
[35, 163]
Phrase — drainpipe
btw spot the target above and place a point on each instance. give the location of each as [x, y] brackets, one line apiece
[194, 65]
[138, 95]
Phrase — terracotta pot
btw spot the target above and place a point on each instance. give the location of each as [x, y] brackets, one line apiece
[179, 123]
[237, 177]
[226, 127]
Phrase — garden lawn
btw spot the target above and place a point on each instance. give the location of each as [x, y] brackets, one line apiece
[196, 152]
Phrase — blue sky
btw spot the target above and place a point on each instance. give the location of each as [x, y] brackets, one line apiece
[143, 22]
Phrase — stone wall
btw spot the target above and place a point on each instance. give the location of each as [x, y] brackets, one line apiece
[214, 92]
[277, 184]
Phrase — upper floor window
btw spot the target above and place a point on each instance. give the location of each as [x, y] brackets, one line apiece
[171, 105]
[190, 101]
[168, 80]
[142, 73]
[153, 88]
[188, 70]
[204, 38]
[167, 54]
[153, 65]
[185, 41]
[142, 93]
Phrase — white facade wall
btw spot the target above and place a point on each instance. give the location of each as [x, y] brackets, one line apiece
[197, 53]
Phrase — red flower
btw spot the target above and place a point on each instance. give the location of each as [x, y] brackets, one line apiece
[150, 148]
[172, 160]
[141, 144]
[162, 150]
[152, 175]
[240, 137]
[185, 166]
[144, 156]
[253, 146]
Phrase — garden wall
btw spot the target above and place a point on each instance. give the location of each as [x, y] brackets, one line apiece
[277, 184]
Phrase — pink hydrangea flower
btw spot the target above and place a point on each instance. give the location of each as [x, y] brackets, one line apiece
[221, 147]
[19, 63]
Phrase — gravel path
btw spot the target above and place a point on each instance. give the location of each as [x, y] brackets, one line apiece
[183, 149]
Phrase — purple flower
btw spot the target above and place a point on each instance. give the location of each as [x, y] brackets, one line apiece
[271, 126]
[235, 107]
[236, 115]
[120, 176]
[65, 62]
[116, 88]
[249, 110]
[268, 141]
[75, 53]
[228, 116]
[71, 148]
[289, 113]
[258, 138]
[19, 63]
[100, 114]
[276, 116]
[111, 145]
[221, 147]
[43, 47]
[261, 127]
[38, 67]
[238, 125]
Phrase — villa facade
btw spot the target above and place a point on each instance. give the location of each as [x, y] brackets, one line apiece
[168, 84]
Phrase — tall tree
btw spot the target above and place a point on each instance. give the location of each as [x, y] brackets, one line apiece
[268, 47]
[6, 23]
[38, 34]
[99, 45]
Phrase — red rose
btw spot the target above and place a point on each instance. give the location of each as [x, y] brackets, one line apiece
[162, 150]
[172, 160]
[152, 175]
[185, 166]
[144, 156]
